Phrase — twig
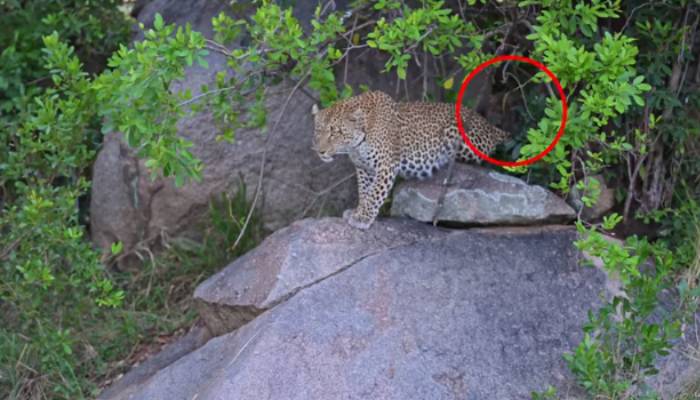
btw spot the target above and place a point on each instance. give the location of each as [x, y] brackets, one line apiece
[138, 247]
[263, 161]
[405, 89]
[7, 250]
[684, 25]
[425, 76]
[461, 10]
[241, 81]
[522, 93]
[319, 194]
[697, 72]
[415, 44]
[205, 94]
[550, 90]
[347, 51]
[690, 46]
[301, 88]
[219, 50]
[631, 14]
[398, 85]
[358, 27]
[676, 71]
[327, 6]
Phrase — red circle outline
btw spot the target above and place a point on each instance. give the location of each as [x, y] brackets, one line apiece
[481, 67]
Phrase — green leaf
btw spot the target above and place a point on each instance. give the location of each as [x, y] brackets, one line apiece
[117, 248]
[158, 22]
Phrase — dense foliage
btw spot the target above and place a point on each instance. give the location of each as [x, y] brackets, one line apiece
[50, 276]
[53, 284]
[624, 67]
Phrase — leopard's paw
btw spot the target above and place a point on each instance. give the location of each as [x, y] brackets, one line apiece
[347, 214]
[351, 217]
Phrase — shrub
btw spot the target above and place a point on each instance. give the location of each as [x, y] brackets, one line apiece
[52, 282]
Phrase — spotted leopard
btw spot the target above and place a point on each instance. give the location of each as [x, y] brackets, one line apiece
[385, 138]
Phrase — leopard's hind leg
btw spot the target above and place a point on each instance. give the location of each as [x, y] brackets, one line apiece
[443, 192]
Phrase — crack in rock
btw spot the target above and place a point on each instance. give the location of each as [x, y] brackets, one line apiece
[223, 318]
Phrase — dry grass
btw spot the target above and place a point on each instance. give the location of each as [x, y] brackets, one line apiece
[692, 275]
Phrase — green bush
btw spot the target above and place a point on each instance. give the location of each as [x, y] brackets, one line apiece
[94, 27]
[623, 339]
[53, 284]
[50, 276]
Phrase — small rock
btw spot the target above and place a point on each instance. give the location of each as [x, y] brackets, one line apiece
[605, 203]
[479, 196]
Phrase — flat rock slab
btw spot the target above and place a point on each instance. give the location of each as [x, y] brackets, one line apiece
[408, 312]
[294, 258]
[479, 196]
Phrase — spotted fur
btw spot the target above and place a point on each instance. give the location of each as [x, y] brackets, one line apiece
[385, 138]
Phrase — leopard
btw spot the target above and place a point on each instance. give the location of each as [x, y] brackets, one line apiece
[385, 138]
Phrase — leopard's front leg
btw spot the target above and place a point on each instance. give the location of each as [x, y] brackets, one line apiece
[365, 180]
[371, 196]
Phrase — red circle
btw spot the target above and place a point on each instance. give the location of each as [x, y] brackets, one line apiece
[565, 110]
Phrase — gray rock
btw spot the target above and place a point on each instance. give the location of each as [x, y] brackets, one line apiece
[194, 339]
[410, 312]
[479, 196]
[291, 259]
[605, 202]
[401, 311]
[680, 369]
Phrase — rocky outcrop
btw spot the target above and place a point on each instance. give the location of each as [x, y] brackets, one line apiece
[403, 310]
[479, 196]
[292, 259]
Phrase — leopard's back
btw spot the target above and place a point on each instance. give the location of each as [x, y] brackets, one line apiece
[430, 138]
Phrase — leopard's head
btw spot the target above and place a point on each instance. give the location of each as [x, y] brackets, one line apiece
[338, 129]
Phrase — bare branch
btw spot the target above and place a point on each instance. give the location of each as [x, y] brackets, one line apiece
[263, 161]
[324, 192]
[425, 76]
[631, 14]
[522, 93]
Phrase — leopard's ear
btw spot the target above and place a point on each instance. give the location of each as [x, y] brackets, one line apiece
[314, 109]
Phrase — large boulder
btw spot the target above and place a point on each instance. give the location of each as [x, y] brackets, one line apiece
[400, 311]
[290, 260]
[479, 196]
[403, 310]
